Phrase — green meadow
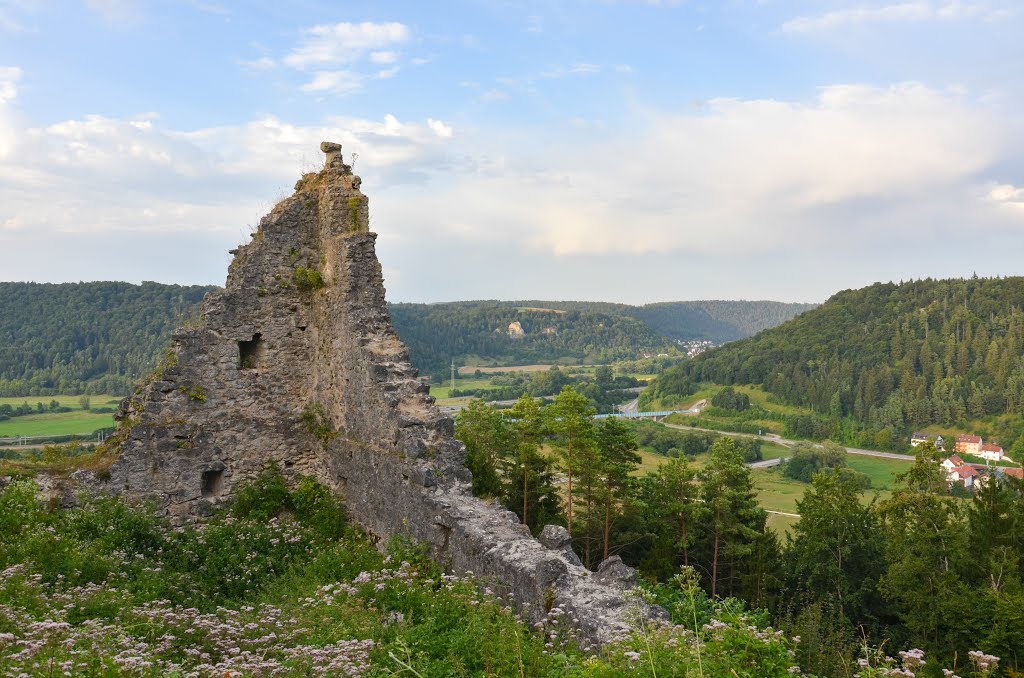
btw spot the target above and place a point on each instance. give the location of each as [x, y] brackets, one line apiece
[75, 422]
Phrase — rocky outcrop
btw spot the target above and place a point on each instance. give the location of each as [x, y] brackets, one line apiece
[296, 362]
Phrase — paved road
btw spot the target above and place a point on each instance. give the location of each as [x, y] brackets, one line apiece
[632, 406]
[779, 440]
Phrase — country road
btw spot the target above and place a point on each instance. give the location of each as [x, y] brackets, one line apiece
[778, 440]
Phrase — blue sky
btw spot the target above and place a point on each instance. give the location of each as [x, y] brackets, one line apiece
[588, 149]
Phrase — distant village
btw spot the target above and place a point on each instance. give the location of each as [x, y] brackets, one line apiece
[694, 347]
[983, 459]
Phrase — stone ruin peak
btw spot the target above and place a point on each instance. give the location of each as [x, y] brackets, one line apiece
[295, 363]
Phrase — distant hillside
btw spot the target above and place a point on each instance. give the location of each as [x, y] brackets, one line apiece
[97, 337]
[582, 330]
[889, 357]
[718, 321]
[103, 336]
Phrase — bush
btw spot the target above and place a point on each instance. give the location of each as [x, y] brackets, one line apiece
[730, 399]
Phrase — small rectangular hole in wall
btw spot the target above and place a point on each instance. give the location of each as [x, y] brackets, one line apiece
[213, 483]
[250, 353]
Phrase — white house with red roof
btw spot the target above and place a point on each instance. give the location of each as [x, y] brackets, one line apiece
[965, 474]
[952, 463]
[992, 452]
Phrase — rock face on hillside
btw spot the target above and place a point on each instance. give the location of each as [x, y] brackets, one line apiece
[296, 362]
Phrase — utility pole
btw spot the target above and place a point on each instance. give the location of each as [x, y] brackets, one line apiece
[453, 374]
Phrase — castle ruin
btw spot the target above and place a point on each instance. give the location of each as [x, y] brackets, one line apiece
[296, 362]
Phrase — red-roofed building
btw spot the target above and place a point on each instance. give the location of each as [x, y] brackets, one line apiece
[967, 443]
[1017, 473]
[992, 452]
[963, 474]
[952, 462]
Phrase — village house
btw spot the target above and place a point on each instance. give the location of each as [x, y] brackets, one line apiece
[1017, 473]
[967, 443]
[965, 474]
[992, 452]
[919, 438]
[952, 463]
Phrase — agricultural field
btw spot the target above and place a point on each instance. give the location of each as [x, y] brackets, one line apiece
[75, 422]
[881, 470]
[442, 391]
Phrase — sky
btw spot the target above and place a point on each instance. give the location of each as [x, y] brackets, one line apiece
[617, 150]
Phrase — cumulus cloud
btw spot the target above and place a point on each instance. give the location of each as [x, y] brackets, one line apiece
[829, 177]
[439, 128]
[903, 12]
[384, 57]
[139, 176]
[9, 76]
[1008, 195]
[334, 82]
[343, 43]
[343, 56]
[851, 165]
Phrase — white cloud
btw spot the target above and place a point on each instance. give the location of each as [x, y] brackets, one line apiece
[136, 175]
[1008, 195]
[123, 12]
[495, 95]
[439, 128]
[262, 64]
[903, 12]
[338, 83]
[9, 76]
[385, 57]
[853, 165]
[388, 72]
[344, 43]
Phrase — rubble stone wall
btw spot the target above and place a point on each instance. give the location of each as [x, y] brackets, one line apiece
[296, 362]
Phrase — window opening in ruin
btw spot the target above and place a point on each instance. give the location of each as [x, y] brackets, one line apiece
[213, 482]
[250, 352]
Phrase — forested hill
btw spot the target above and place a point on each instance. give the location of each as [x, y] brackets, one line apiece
[889, 356]
[591, 331]
[718, 321]
[97, 337]
[102, 337]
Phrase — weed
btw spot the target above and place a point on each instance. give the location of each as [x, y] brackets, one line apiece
[196, 393]
[308, 279]
[317, 423]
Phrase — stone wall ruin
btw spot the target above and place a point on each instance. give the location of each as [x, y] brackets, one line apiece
[296, 362]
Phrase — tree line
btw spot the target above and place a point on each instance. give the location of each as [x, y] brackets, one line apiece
[915, 570]
[874, 363]
[98, 337]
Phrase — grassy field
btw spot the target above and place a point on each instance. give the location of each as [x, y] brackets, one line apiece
[440, 391]
[773, 451]
[881, 470]
[105, 400]
[78, 421]
[55, 424]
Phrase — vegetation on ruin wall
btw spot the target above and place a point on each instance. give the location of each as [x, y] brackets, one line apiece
[871, 365]
[105, 589]
[911, 569]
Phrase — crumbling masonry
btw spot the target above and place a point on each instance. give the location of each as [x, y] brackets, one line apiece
[296, 362]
